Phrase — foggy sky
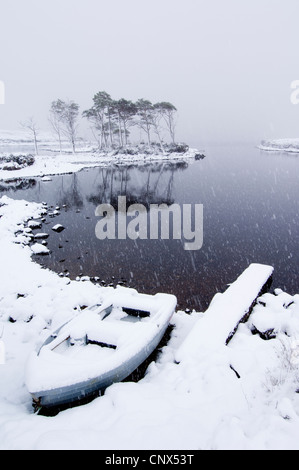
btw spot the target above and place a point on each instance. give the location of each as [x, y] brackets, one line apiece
[227, 65]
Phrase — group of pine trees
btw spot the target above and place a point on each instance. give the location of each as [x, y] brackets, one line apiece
[112, 120]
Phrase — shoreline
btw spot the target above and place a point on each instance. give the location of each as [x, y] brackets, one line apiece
[179, 403]
[175, 405]
[68, 163]
[280, 146]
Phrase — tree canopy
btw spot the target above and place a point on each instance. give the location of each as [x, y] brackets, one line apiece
[113, 120]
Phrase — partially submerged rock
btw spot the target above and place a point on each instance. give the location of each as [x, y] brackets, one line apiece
[34, 224]
[58, 228]
[41, 236]
[39, 249]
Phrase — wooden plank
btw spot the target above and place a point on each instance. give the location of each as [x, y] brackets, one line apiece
[226, 311]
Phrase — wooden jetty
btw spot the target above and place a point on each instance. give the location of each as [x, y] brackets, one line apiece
[225, 313]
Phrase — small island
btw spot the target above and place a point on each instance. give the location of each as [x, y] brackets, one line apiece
[120, 132]
[280, 145]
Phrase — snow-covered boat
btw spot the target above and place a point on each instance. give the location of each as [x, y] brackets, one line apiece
[104, 344]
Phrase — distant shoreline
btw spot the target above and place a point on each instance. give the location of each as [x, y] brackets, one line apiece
[280, 145]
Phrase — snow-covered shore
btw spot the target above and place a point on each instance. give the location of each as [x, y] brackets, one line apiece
[280, 145]
[50, 165]
[240, 396]
[50, 162]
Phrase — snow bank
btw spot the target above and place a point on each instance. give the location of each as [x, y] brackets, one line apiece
[240, 396]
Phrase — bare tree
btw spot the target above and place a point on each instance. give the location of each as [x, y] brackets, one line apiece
[95, 117]
[156, 117]
[100, 115]
[144, 111]
[168, 111]
[69, 118]
[56, 119]
[126, 110]
[31, 126]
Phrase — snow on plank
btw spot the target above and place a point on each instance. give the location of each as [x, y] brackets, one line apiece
[226, 311]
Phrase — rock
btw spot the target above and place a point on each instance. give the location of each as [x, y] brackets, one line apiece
[199, 156]
[16, 162]
[58, 228]
[39, 249]
[41, 236]
[12, 167]
[177, 148]
[34, 224]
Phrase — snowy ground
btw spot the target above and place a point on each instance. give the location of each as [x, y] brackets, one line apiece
[241, 396]
[46, 166]
[281, 145]
[50, 162]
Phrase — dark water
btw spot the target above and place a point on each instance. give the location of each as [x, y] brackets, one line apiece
[251, 207]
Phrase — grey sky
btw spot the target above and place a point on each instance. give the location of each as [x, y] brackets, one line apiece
[227, 65]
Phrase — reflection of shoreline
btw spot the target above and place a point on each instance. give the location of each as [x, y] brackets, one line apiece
[17, 184]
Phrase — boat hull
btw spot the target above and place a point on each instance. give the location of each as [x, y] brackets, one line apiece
[124, 361]
[80, 391]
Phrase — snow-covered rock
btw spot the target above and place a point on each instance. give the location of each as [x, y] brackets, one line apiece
[41, 236]
[39, 249]
[58, 228]
[34, 224]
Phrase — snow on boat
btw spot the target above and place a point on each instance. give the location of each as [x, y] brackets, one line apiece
[102, 345]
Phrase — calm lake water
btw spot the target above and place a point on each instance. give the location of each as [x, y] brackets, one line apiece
[251, 214]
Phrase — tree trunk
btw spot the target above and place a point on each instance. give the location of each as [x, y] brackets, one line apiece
[148, 134]
[73, 144]
[110, 130]
[172, 136]
[120, 132]
[125, 131]
[160, 141]
[60, 146]
[35, 142]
